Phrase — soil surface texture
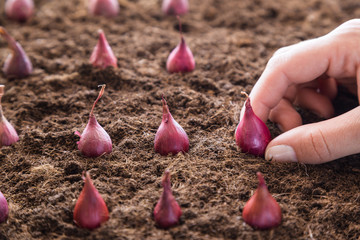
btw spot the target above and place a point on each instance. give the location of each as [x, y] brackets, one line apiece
[231, 41]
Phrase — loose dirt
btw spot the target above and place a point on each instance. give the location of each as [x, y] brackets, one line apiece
[232, 41]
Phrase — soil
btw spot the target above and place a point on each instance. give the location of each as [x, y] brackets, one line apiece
[232, 41]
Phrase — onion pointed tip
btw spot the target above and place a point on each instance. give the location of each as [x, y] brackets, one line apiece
[166, 179]
[86, 176]
[260, 178]
[245, 93]
[166, 111]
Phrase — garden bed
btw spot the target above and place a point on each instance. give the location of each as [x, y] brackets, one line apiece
[231, 41]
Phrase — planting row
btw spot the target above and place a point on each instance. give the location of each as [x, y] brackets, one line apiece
[18, 65]
[261, 211]
[252, 134]
[22, 10]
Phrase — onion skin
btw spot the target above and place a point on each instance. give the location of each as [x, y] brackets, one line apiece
[175, 7]
[262, 211]
[252, 135]
[102, 55]
[167, 211]
[180, 59]
[106, 8]
[170, 136]
[94, 141]
[17, 64]
[8, 134]
[19, 10]
[4, 208]
[90, 210]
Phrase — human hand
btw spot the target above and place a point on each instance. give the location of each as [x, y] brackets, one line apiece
[307, 74]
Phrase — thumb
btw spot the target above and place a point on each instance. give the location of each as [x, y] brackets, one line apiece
[318, 142]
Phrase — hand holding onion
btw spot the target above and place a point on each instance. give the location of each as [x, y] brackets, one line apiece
[307, 74]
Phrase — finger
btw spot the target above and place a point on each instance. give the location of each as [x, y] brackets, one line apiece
[334, 54]
[285, 116]
[319, 104]
[283, 50]
[303, 63]
[318, 142]
[290, 95]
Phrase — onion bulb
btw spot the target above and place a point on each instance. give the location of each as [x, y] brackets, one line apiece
[167, 211]
[262, 211]
[94, 141]
[252, 135]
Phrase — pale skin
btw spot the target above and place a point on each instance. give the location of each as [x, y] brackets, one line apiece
[307, 74]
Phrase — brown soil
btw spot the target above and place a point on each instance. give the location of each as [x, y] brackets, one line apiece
[231, 40]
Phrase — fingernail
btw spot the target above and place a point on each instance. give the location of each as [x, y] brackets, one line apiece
[281, 153]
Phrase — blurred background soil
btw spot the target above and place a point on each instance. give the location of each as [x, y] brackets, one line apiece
[232, 41]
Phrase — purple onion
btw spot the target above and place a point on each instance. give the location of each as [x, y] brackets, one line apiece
[94, 141]
[102, 55]
[8, 134]
[170, 136]
[181, 58]
[175, 7]
[106, 8]
[4, 208]
[19, 10]
[17, 64]
[262, 211]
[167, 211]
[252, 135]
[90, 210]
